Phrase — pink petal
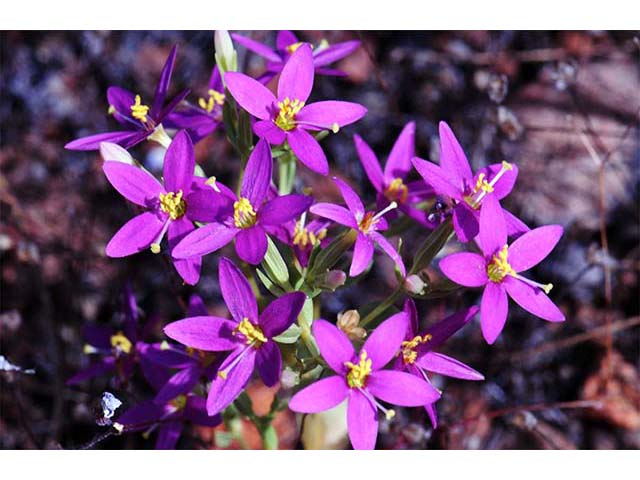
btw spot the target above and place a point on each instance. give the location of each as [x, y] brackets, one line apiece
[320, 396]
[254, 97]
[281, 313]
[334, 212]
[450, 367]
[334, 53]
[533, 300]
[296, 78]
[251, 244]
[223, 391]
[212, 334]
[532, 247]
[308, 150]
[285, 38]
[362, 255]
[269, 131]
[493, 311]
[134, 184]
[135, 235]
[384, 342]
[283, 209]
[188, 268]
[369, 162]
[465, 222]
[179, 164]
[390, 250]
[237, 292]
[362, 421]
[399, 161]
[204, 240]
[493, 229]
[401, 388]
[257, 174]
[335, 347]
[257, 47]
[465, 268]
[351, 198]
[324, 115]
[452, 158]
[437, 178]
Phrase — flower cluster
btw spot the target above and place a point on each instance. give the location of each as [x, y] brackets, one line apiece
[293, 247]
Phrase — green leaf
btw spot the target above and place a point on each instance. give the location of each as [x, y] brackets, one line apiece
[269, 285]
[432, 245]
[269, 438]
[275, 266]
[290, 335]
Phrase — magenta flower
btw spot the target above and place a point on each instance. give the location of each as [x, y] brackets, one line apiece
[204, 118]
[287, 43]
[248, 336]
[361, 379]
[287, 117]
[391, 184]
[498, 270]
[170, 208]
[417, 355]
[303, 236]
[454, 179]
[140, 120]
[244, 218]
[367, 225]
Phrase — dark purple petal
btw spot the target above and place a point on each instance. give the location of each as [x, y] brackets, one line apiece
[254, 97]
[384, 342]
[334, 212]
[308, 150]
[181, 383]
[257, 175]
[437, 178]
[196, 411]
[251, 244]
[204, 240]
[98, 336]
[442, 330]
[179, 164]
[296, 78]
[362, 255]
[351, 198]
[269, 363]
[362, 421]
[285, 38]
[171, 105]
[452, 158]
[334, 52]
[515, 226]
[168, 435]
[533, 247]
[465, 222]
[533, 300]
[269, 131]
[223, 391]
[212, 334]
[237, 292]
[334, 345]
[320, 396]
[369, 162]
[283, 209]
[92, 142]
[281, 313]
[412, 312]
[465, 268]
[433, 414]
[399, 161]
[121, 100]
[450, 367]
[135, 235]
[142, 415]
[493, 311]
[197, 308]
[326, 114]
[156, 375]
[207, 205]
[401, 388]
[493, 229]
[169, 356]
[257, 47]
[100, 367]
[163, 84]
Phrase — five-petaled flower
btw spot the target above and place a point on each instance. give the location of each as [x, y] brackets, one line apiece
[498, 270]
[361, 379]
[287, 43]
[367, 224]
[454, 179]
[245, 217]
[287, 116]
[249, 336]
[140, 120]
[170, 208]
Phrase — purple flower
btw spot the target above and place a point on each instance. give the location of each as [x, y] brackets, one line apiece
[391, 184]
[168, 418]
[302, 237]
[140, 120]
[170, 209]
[248, 336]
[498, 270]
[244, 218]
[361, 379]
[287, 117]
[454, 179]
[287, 44]
[417, 355]
[202, 119]
[366, 223]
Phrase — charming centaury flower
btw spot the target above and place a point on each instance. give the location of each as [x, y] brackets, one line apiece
[454, 179]
[167, 417]
[287, 117]
[287, 43]
[499, 268]
[245, 217]
[171, 209]
[417, 356]
[140, 120]
[303, 236]
[201, 120]
[391, 184]
[368, 224]
[248, 336]
[361, 379]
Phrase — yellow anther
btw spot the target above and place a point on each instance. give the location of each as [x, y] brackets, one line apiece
[389, 414]
[302, 237]
[397, 191]
[139, 111]
[408, 348]
[244, 216]
[367, 222]
[211, 181]
[359, 372]
[335, 128]
[89, 349]
[287, 114]
[165, 345]
[121, 343]
[294, 46]
[215, 99]
[222, 374]
[506, 165]
[499, 266]
[111, 110]
[155, 248]
[252, 333]
[118, 427]
[482, 185]
[547, 288]
[179, 402]
[173, 204]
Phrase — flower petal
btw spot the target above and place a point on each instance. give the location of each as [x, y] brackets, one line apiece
[334, 345]
[223, 391]
[285, 38]
[196, 412]
[211, 334]
[308, 150]
[384, 342]
[204, 240]
[515, 226]
[334, 52]
[269, 363]
[237, 292]
[533, 300]
[121, 100]
[180, 383]
[362, 421]
[450, 367]
[390, 250]
[207, 205]
[269, 131]
[505, 184]
[399, 161]
[401, 388]
[142, 415]
[369, 162]
[436, 177]
[179, 163]
[92, 142]
[320, 396]
[334, 212]
[326, 114]
[257, 174]
[251, 244]
[168, 435]
[135, 235]
[296, 78]
[281, 313]
[187, 268]
[362, 255]
[452, 158]
[532, 247]
[465, 268]
[493, 311]
[100, 367]
[257, 47]
[493, 229]
[442, 330]
[254, 97]
[163, 84]
[465, 222]
[283, 209]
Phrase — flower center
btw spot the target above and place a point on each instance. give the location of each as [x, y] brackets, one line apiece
[288, 109]
[397, 191]
[302, 237]
[215, 99]
[252, 333]
[499, 266]
[482, 186]
[244, 216]
[139, 111]
[172, 204]
[368, 222]
[121, 343]
[408, 348]
[359, 372]
[179, 402]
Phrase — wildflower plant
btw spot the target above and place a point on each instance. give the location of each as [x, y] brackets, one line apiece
[292, 247]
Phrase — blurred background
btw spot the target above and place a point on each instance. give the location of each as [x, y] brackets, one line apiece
[563, 106]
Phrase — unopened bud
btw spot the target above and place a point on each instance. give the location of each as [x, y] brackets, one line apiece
[226, 56]
[348, 322]
[331, 280]
[414, 284]
[112, 152]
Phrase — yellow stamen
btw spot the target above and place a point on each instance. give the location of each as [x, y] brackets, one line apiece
[89, 349]
[499, 266]
[335, 128]
[179, 402]
[244, 216]
[252, 333]
[302, 237]
[294, 46]
[111, 110]
[165, 345]
[211, 181]
[408, 348]
[367, 222]
[287, 114]
[155, 248]
[121, 343]
[359, 372]
[139, 111]
[397, 191]
[173, 204]
[215, 98]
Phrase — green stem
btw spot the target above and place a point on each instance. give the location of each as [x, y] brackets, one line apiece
[386, 303]
[287, 173]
